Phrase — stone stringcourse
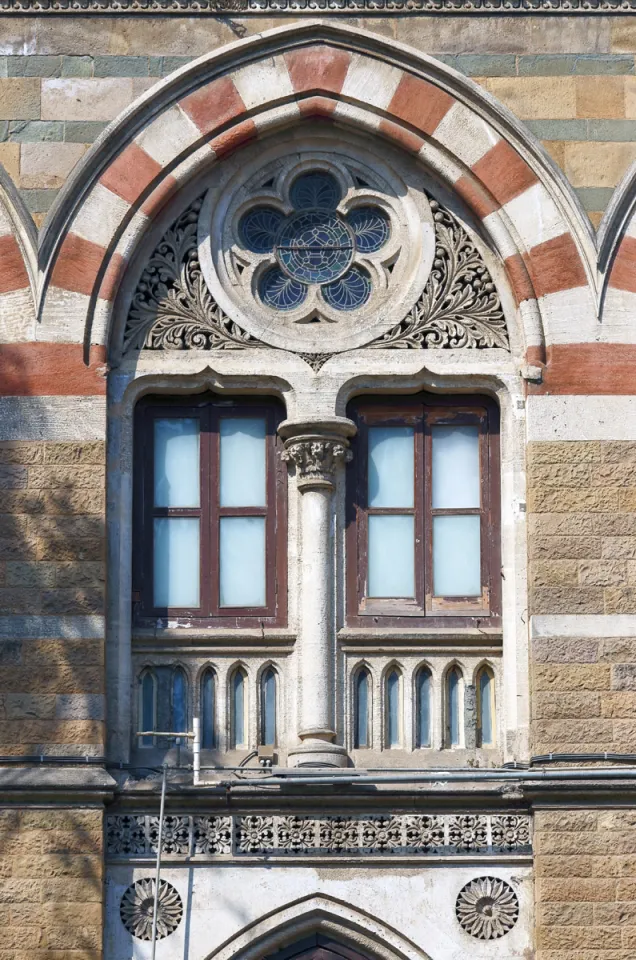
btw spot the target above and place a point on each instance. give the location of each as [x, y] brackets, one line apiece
[172, 308]
[137, 906]
[487, 908]
[134, 836]
[312, 7]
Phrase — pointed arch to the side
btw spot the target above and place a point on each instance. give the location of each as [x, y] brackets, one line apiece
[18, 265]
[318, 914]
[255, 86]
[617, 262]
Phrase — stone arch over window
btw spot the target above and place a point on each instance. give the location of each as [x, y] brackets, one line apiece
[318, 915]
[453, 706]
[486, 702]
[423, 702]
[268, 683]
[362, 707]
[18, 266]
[238, 708]
[425, 109]
[393, 705]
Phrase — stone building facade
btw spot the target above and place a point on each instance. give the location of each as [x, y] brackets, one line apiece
[318, 480]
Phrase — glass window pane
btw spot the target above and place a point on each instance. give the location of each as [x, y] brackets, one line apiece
[268, 708]
[391, 473]
[453, 707]
[424, 708]
[242, 561]
[177, 462]
[455, 467]
[391, 556]
[176, 562]
[207, 711]
[456, 556]
[238, 709]
[242, 482]
[361, 732]
[147, 707]
[393, 709]
[486, 698]
[179, 709]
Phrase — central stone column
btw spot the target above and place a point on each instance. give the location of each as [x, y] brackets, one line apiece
[317, 449]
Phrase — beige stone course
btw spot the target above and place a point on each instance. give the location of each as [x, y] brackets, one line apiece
[20, 98]
[85, 99]
[602, 164]
[536, 98]
[47, 165]
[603, 98]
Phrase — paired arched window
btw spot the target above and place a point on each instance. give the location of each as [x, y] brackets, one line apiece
[163, 702]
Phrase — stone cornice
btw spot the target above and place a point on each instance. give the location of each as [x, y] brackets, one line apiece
[313, 7]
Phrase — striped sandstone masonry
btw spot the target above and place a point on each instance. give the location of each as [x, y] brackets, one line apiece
[544, 266]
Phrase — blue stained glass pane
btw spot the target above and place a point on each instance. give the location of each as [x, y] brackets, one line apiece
[281, 292]
[350, 292]
[315, 190]
[315, 247]
[361, 731]
[178, 702]
[258, 228]
[371, 228]
[207, 711]
[424, 708]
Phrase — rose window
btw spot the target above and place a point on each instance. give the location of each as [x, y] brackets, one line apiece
[314, 246]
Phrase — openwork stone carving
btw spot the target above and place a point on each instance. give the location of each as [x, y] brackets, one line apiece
[137, 907]
[487, 908]
[316, 459]
[131, 837]
[460, 306]
[172, 308]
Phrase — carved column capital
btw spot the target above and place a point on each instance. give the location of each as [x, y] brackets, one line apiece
[316, 449]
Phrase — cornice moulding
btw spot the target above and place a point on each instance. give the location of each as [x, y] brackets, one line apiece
[312, 7]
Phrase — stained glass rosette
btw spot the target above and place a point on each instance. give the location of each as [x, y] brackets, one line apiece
[315, 245]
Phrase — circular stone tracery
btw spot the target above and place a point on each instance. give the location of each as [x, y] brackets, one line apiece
[137, 907]
[315, 245]
[487, 908]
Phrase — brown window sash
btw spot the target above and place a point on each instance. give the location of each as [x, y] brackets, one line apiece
[209, 410]
[425, 609]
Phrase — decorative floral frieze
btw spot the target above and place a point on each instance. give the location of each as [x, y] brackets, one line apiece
[136, 909]
[315, 458]
[192, 837]
[460, 306]
[487, 908]
[311, 7]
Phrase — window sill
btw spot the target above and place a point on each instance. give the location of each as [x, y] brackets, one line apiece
[212, 636]
[435, 636]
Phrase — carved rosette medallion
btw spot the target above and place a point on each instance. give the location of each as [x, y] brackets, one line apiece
[137, 906]
[316, 459]
[487, 908]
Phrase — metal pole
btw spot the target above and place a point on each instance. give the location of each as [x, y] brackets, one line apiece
[196, 751]
[155, 910]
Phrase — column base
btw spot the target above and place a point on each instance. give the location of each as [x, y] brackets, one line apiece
[317, 753]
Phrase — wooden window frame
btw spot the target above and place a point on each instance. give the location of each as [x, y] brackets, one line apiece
[425, 610]
[209, 409]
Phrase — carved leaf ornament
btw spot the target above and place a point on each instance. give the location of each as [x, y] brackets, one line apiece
[173, 309]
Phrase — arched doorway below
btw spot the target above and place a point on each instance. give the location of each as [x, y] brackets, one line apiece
[316, 947]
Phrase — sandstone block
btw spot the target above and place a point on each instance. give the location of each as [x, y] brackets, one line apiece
[86, 574]
[13, 477]
[602, 573]
[567, 500]
[20, 891]
[624, 676]
[615, 525]
[615, 914]
[618, 650]
[70, 453]
[30, 574]
[560, 474]
[79, 706]
[566, 821]
[597, 164]
[10, 159]
[48, 866]
[577, 890]
[85, 99]
[565, 914]
[69, 890]
[594, 677]
[562, 548]
[556, 938]
[568, 731]
[545, 573]
[57, 731]
[562, 525]
[47, 165]
[619, 705]
[568, 706]
[573, 451]
[619, 548]
[14, 600]
[73, 602]
[73, 502]
[614, 474]
[560, 650]
[532, 98]
[626, 889]
[620, 600]
[546, 866]
[20, 99]
[596, 98]
[75, 477]
[63, 653]
[25, 706]
[627, 500]
[61, 548]
[565, 599]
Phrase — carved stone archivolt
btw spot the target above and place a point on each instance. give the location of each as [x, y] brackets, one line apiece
[173, 309]
[137, 908]
[487, 908]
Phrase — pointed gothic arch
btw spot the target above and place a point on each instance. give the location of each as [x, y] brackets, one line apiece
[251, 88]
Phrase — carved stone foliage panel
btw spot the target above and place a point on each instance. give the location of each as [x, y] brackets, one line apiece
[134, 836]
[316, 251]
